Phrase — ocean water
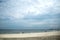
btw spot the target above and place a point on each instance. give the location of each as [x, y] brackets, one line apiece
[7, 31]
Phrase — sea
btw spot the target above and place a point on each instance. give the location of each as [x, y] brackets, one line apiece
[12, 31]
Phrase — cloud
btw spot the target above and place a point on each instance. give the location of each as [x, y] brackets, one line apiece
[29, 13]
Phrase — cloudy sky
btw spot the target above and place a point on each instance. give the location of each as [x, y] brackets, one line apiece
[29, 14]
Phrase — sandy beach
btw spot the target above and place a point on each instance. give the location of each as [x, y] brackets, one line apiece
[53, 35]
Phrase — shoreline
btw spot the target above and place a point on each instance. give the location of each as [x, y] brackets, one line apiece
[26, 35]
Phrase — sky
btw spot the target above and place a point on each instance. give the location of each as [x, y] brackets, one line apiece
[29, 14]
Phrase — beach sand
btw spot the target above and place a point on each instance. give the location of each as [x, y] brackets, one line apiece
[53, 35]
